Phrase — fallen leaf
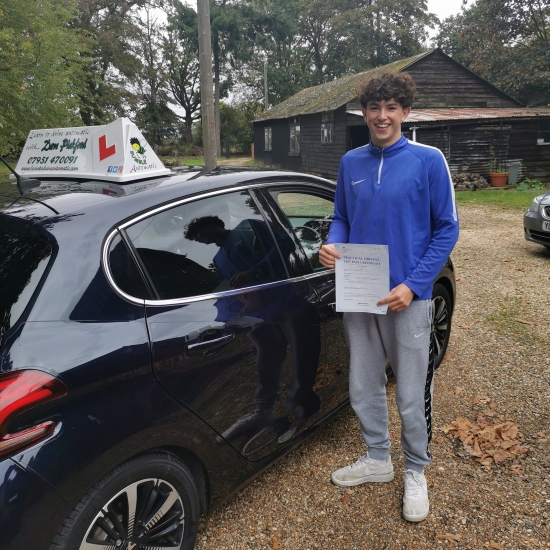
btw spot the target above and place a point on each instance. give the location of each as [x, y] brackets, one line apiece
[345, 499]
[523, 304]
[449, 536]
[458, 390]
[495, 545]
[501, 455]
[277, 544]
[483, 399]
[466, 327]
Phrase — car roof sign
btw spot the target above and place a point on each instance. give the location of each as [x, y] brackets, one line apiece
[115, 152]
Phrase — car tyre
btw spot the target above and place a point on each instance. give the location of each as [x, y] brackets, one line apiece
[441, 322]
[151, 500]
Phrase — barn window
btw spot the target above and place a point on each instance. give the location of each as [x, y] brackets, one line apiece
[295, 138]
[543, 133]
[327, 127]
[267, 138]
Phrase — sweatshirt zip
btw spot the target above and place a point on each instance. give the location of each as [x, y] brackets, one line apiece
[380, 167]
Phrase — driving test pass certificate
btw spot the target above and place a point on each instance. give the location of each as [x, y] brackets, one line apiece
[362, 277]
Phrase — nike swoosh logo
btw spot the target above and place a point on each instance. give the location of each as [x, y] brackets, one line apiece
[419, 335]
[356, 182]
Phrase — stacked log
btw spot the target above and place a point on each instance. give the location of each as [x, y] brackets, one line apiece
[467, 180]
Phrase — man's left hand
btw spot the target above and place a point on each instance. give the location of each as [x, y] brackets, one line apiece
[398, 299]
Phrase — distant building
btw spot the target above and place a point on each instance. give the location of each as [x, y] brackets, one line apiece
[462, 114]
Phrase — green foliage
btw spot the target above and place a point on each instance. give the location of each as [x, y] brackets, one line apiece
[311, 42]
[528, 184]
[40, 68]
[236, 124]
[182, 64]
[109, 30]
[505, 41]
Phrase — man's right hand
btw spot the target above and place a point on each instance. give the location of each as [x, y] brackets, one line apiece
[327, 255]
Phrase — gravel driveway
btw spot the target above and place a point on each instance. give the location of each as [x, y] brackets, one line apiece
[495, 377]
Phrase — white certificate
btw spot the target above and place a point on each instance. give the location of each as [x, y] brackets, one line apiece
[362, 277]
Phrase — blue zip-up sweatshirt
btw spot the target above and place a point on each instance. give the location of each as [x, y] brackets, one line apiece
[401, 196]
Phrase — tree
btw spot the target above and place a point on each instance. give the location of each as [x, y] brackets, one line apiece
[182, 64]
[40, 69]
[154, 115]
[228, 48]
[236, 124]
[311, 42]
[110, 31]
[506, 42]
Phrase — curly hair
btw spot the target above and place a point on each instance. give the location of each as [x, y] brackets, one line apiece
[194, 227]
[398, 86]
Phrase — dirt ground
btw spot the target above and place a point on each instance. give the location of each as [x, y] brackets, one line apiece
[490, 486]
[234, 161]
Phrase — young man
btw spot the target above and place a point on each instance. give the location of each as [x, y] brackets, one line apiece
[397, 193]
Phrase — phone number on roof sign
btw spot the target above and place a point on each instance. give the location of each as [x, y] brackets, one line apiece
[53, 160]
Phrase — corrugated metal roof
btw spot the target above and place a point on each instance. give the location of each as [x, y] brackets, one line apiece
[438, 115]
[334, 94]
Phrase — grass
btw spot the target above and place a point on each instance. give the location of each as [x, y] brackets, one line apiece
[4, 172]
[507, 198]
[187, 161]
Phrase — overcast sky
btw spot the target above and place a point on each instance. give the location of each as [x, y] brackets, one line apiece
[444, 8]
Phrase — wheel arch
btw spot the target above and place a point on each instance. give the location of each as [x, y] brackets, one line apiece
[197, 468]
[445, 281]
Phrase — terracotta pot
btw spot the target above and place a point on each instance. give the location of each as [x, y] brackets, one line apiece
[498, 179]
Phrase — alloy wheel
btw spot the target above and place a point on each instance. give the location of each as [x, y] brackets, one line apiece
[148, 514]
[440, 324]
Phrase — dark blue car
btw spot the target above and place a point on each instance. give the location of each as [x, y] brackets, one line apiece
[162, 342]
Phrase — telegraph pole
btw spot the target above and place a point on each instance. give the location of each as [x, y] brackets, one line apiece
[266, 102]
[207, 95]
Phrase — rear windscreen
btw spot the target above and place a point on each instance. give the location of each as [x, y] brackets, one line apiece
[23, 261]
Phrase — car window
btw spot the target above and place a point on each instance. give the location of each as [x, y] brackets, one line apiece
[23, 261]
[124, 270]
[210, 245]
[310, 216]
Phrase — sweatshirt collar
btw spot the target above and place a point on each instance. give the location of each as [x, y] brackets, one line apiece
[393, 149]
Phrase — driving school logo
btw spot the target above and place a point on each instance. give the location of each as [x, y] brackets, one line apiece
[138, 150]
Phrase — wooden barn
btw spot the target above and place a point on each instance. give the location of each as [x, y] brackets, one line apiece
[462, 114]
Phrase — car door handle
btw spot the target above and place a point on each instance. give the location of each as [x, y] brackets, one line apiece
[209, 344]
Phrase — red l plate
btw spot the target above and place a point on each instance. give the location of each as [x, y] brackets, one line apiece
[104, 151]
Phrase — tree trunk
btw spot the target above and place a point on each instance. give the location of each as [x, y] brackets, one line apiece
[217, 96]
[189, 131]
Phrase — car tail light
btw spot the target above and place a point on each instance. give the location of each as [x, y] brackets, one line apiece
[19, 392]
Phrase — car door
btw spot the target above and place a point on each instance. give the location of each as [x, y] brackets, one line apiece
[307, 210]
[233, 339]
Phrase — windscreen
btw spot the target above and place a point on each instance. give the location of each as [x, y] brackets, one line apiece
[23, 261]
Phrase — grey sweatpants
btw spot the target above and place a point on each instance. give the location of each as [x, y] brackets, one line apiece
[404, 339]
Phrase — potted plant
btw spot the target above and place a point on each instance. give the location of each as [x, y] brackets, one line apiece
[497, 170]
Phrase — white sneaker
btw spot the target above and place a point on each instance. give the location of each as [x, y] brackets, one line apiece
[365, 470]
[415, 500]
